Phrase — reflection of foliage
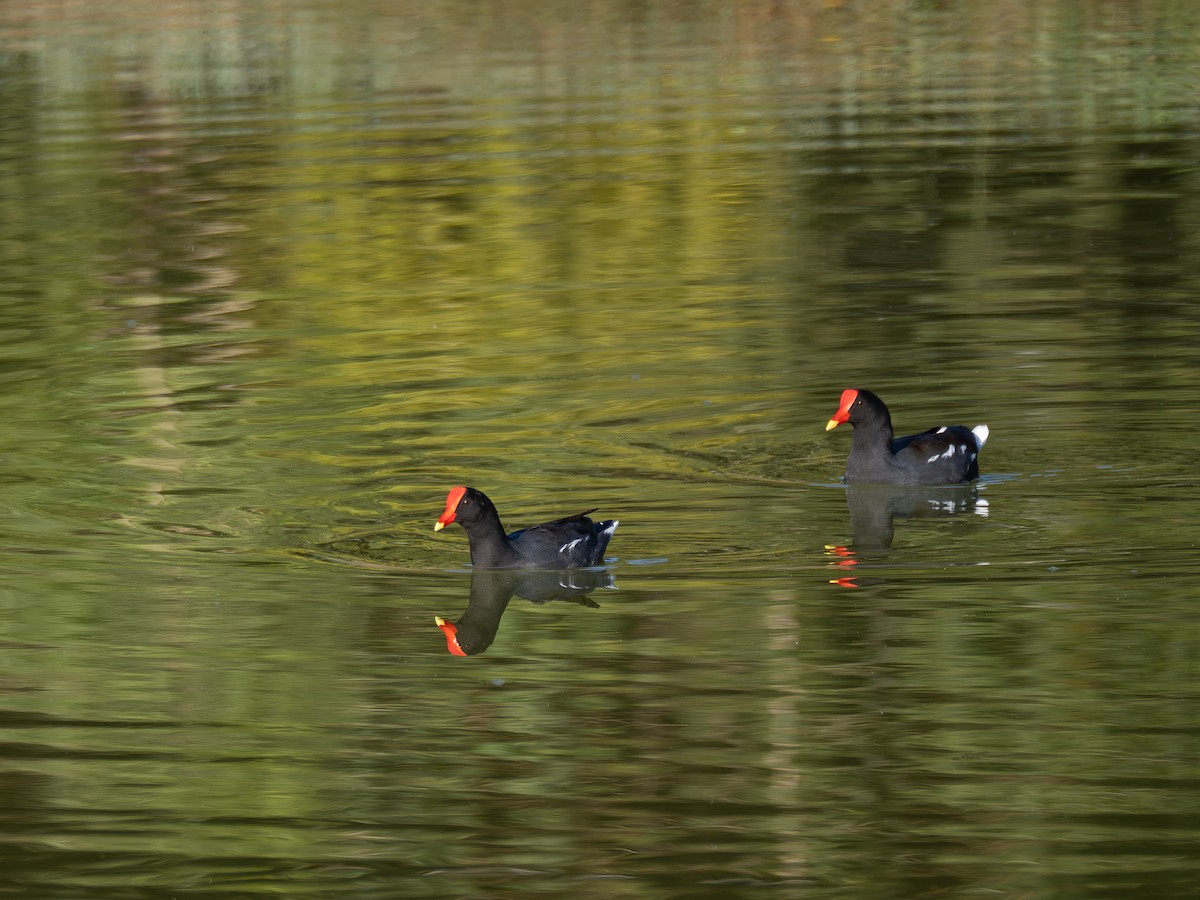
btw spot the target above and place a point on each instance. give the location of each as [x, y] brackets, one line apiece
[431, 170]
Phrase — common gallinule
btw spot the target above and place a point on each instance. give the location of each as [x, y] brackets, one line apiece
[573, 542]
[946, 455]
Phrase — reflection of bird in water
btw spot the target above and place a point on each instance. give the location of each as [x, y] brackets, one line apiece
[945, 455]
[491, 591]
[573, 542]
[874, 508]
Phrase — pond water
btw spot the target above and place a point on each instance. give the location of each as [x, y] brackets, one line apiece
[278, 275]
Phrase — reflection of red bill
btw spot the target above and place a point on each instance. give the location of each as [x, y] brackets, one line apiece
[848, 560]
[451, 631]
[849, 557]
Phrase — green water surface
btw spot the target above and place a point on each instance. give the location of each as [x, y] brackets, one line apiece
[277, 275]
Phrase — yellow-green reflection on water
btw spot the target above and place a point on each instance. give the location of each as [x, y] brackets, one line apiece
[276, 276]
